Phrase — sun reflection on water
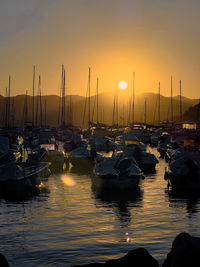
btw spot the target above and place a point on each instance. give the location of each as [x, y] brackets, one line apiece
[67, 180]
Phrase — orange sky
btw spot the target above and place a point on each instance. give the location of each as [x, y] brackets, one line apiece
[153, 38]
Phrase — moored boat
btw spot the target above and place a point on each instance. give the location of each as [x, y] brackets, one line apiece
[20, 177]
[82, 157]
[146, 161]
[117, 171]
[183, 174]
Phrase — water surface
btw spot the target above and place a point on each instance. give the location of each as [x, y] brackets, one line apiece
[77, 223]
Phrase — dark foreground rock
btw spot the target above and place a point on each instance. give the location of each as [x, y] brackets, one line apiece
[185, 252]
[139, 257]
[3, 261]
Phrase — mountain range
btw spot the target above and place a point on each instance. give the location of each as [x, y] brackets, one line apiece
[76, 109]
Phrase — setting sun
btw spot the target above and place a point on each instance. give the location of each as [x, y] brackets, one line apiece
[122, 85]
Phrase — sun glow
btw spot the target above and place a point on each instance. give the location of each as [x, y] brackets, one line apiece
[122, 85]
[67, 180]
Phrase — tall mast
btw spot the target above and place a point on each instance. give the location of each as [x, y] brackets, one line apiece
[102, 115]
[69, 110]
[25, 110]
[45, 112]
[26, 107]
[145, 111]
[181, 113]
[8, 106]
[117, 109]
[113, 117]
[64, 104]
[59, 104]
[133, 114]
[97, 100]
[13, 112]
[89, 99]
[127, 121]
[198, 110]
[130, 107]
[155, 110]
[159, 102]
[63, 96]
[172, 115]
[123, 115]
[129, 110]
[33, 94]
[40, 107]
[37, 104]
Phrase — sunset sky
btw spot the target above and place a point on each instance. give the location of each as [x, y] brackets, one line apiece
[153, 38]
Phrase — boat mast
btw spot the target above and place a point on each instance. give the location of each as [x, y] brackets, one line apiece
[133, 103]
[155, 110]
[102, 115]
[60, 99]
[8, 103]
[33, 94]
[26, 107]
[45, 112]
[25, 110]
[159, 102]
[181, 114]
[89, 99]
[113, 117]
[172, 115]
[63, 96]
[198, 110]
[13, 112]
[40, 107]
[117, 109]
[37, 104]
[145, 111]
[123, 115]
[129, 110]
[97, 100]
[69, 110]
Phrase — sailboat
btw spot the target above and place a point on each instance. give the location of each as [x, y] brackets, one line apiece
[66, 133]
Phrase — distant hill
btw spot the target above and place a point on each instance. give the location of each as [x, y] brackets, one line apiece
[77, 108]
[193, 113]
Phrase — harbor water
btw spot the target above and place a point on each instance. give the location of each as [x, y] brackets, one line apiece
[74, 222]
